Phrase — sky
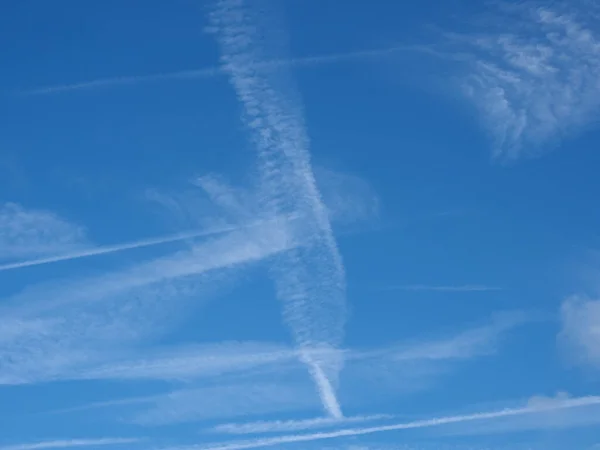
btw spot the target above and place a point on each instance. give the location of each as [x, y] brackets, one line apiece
[299, 224]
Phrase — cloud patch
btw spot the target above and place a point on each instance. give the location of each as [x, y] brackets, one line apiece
[580, 333]
[534, 74]
[26, 233]
[309, 280]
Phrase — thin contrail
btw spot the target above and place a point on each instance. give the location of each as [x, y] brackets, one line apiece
[309, 281]
[120, 247]
[463, 288]
[70, 443]
[279, 426]
[427, 423]
[211, 72]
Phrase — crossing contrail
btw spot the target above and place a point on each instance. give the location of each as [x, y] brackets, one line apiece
[96, 251]
[212, 72]
[309, 280]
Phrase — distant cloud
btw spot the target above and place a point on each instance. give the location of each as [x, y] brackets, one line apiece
[534, 74]
[549, 413]
[433, 288]
[71, 443]
[189, 363]
[60, 330]
[580, 402]
[373, 376]
[211, 72]
[309, 280]
[541, 401]
[581, 329]
[27, 233]
[236, 375]
[229, 400]
[472, 342]
[292, 425]
[349, 198]
[96, 251]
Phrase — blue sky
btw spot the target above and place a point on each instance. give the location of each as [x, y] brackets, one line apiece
[235, 224]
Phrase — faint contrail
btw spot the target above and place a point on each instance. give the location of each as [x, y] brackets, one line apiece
[424, 287]
[427, 423]
[210, 72]
[120, 247]
[279, 426]
[310, 280]
[70, 443]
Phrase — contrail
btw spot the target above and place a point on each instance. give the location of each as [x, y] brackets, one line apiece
[211, 72]
[70, 443]
[279, 426]
[309, 280]
[427, 423]
[464, 288]
[120, 247]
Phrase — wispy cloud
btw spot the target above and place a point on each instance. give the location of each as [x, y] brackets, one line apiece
[216, 71]
[581, 329]
[433, 288]
[26, 233]
[70, 443]
[225, 372]
[209, 360]
[425, 423]
[380, 374]
[309, 280]
[279, 426]
[551, 416]
[534, 76]
[61, 330]
[229, 400]
[96, 251]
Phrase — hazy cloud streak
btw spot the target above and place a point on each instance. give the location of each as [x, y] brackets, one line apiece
[211, 72]
[121, 247]
[424, 287]
[70, 443]
[309, 280]
[426, 423]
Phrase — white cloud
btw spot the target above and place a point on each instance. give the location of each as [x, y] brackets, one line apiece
[241, 365]
[580, 402]
[378, 375]
[212, 72]
[71, 443]
[63, 329]
[201, 361]
[349, 198]
[433, 288]
[26, 233]
[581, 329]
[96, 251]
[477, 341]
[310, 281]
[242, 399]
[547, 413]
[535, 76]
[279, 426]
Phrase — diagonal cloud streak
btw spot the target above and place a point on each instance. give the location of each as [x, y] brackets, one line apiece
[430, 288]
[426, 423]
[535, 78]
[292, 425]
[122, 247]
[310, 280]
[65, 330]
[70, 443]
[211, 72]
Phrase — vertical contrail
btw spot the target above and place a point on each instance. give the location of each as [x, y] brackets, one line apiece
[310, 279]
